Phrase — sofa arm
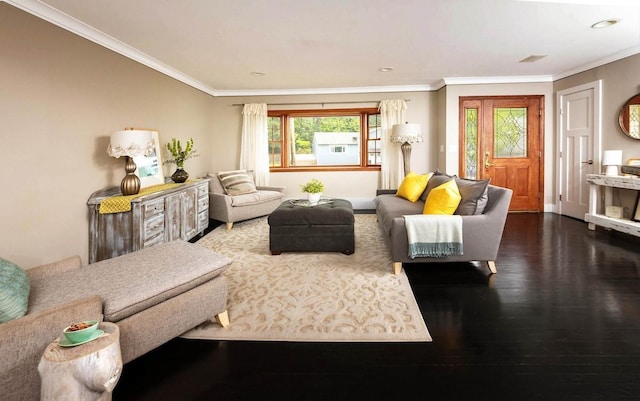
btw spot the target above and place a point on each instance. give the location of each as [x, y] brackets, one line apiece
[386, 191]
[23, 340]
[50, 269]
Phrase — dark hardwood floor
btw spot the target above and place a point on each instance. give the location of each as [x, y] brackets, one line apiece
[560, 321]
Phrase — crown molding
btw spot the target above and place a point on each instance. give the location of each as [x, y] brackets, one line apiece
[56, 17]
[324, 91]
[598, 63]
[496, 80]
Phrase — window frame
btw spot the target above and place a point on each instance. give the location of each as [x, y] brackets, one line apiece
[285, 115]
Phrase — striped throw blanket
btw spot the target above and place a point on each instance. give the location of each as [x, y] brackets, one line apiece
[434, 235]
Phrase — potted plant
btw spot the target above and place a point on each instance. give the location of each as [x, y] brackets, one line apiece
[314, 188]
[179, 156]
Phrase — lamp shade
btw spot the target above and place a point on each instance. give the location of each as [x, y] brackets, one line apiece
[130, 143]
[406, 133]
[612, 158]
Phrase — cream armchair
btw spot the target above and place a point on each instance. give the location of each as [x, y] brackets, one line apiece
[232, 208]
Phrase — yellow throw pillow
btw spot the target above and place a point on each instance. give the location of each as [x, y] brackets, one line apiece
[443, 199]
[412, 186]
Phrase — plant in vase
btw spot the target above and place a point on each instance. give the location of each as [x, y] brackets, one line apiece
[314, 190]
[179, 156]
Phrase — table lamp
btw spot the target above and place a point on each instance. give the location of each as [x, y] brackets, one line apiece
[406, 134]
[130, 143]
[611, 159]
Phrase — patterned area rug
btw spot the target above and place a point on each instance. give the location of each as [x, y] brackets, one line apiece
[312, 296]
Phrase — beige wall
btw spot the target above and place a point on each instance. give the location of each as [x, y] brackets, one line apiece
[60, 97]
[357, 186]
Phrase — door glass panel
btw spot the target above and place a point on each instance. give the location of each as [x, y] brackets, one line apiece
[509, 132]
[471, 143]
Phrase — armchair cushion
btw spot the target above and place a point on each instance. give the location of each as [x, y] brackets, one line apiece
[14, 291]
[236, 182]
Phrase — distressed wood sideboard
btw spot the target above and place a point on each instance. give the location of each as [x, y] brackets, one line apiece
[181, 212]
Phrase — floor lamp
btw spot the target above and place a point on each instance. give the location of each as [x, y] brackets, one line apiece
[406, 134]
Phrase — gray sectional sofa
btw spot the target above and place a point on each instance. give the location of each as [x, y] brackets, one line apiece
[153, 295]
[481, 233]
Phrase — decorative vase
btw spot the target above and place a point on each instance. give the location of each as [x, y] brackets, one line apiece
[314, 198]
[179, 176]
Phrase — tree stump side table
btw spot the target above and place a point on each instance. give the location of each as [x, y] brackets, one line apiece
[86, 372]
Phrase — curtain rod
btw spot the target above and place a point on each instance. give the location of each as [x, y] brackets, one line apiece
[320, 103]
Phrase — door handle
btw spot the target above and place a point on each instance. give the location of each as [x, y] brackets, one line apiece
[487, 161]
[588, 162]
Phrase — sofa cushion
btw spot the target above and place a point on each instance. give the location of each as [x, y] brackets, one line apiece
[255, 198]
[133, 282]
[412, 186]
[390, 206]
[14, 291]
[474, 196]
[236, 182]
[437, 179]
[444, 199]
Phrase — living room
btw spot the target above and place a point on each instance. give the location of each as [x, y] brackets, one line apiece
[63, 95]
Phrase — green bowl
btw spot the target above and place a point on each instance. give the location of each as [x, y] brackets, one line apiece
[78, 336]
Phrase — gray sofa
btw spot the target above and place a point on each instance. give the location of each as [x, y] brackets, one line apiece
[231, 208]
[481, 233]
[153, 295]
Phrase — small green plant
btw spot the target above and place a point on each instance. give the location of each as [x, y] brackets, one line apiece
[313, 187]
[180, 155]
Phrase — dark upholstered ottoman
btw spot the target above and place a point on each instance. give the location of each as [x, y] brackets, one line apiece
[326, 227]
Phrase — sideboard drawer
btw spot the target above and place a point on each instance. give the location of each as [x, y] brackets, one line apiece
[153, 226]
[153, 208]
[203, 191]
[203, 203]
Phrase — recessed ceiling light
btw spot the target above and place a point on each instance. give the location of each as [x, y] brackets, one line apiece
[257, 74]
[605, 23]
[385, 69]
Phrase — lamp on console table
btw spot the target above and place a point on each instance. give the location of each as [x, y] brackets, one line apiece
[611, 159]
[130, 143]
[406, 134]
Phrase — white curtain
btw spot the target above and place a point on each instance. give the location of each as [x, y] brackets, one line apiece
[254, 151]
[391, 112]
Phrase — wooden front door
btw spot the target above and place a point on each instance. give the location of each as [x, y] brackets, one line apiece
[501, 140]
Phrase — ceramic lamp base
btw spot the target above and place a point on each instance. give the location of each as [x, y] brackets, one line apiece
[611, 171]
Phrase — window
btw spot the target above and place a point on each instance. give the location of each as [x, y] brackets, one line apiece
[324, 139]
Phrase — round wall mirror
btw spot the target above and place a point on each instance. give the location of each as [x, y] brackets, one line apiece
[629, 117]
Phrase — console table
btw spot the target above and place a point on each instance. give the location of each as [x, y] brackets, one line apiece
[180, 212]
[596, 216]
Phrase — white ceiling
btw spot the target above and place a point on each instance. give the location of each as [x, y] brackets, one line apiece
[337, 46]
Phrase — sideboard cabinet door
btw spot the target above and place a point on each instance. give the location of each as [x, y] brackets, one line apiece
[181, 212]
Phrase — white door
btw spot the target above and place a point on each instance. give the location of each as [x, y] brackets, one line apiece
[579, 145]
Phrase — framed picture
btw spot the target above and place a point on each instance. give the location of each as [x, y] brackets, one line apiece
[636, 209]
[633, 162]
[149, 168]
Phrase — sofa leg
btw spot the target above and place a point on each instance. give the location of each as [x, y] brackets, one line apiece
[397, 268]
[223, 318]
[492, 266]
[229, 225]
